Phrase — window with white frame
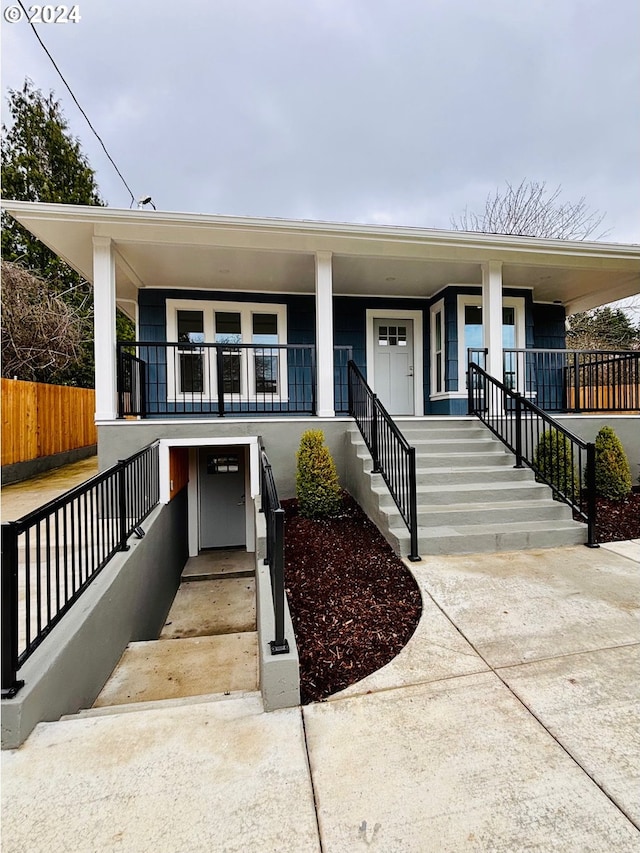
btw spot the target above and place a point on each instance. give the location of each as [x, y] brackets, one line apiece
[248, 359]
[471, 334]
[437, 349]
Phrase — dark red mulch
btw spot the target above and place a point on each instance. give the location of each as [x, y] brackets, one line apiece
[618, 520]
[354, 604]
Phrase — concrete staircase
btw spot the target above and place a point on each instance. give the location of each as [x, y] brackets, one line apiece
[470, 497]
[207, 650]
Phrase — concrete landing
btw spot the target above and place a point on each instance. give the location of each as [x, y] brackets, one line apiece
[209, 565]
[203, 608]
[220, 776]
[190, 667]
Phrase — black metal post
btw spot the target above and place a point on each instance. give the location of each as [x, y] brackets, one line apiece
[592, 504]
[349, 388]
[9, 583]
[413, 506]
[220, 380]
[576, 383]
[470, 406]
[279, 646]
[143, 389]
[374, 434]
[122, 506]
[518, 464]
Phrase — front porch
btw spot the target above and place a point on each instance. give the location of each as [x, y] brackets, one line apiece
[191, 380]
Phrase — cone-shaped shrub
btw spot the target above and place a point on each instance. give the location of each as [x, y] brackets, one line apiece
[554, 463]
[613, 475]
[317, 486]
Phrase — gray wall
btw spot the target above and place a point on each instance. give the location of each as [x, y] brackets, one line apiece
[127, 602]
[281, 440]
[626, 427]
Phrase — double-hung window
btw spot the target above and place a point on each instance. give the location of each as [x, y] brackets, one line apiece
[238, 344]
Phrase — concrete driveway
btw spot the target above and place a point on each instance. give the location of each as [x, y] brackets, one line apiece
[508, 723]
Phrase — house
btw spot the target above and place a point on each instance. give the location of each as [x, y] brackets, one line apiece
[250, 331]
[245, 327]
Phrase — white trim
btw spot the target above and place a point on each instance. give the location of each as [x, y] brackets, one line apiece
[437, 308]
[418, 349]
[252, 480]
[104, 340]
[246, 311]
[324, 334]
[463, 299]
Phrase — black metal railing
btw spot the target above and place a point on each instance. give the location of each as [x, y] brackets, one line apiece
[562, 380]
[215, 379]
[558, 458]
[51, 555]
[342, 355]
[274, 519]
[223, 379]
[392, 455]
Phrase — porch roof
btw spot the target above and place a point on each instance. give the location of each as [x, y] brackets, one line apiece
[210, 252]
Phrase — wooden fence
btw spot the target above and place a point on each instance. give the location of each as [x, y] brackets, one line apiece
[40, 420]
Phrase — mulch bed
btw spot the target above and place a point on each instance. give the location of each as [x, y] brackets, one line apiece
[618, 520]
[354, 604]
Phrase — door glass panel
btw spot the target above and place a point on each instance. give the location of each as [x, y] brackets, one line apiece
[228, 331]
[392, 336]
[473, 336]
[190, 333]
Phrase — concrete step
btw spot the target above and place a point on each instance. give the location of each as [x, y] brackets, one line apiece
[174, 669]
[459, 457]
[468, 493]
[475, 474]
[496, 513]
[507, 536]
[162, 704]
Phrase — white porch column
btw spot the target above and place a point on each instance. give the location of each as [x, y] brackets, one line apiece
[104, 306]
[492, 316]
[324, 335]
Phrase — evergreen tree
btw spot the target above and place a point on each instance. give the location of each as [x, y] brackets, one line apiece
[42, 161]
[602, 328]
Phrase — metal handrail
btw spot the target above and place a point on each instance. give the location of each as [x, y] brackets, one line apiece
[558, 457]
[274, 558]
[393, 457]
[65, 544]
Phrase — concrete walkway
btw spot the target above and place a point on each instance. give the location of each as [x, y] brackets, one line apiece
[18, 499]
[508, 723]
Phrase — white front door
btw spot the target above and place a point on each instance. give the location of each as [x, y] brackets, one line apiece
[222, 497]
[393, 368]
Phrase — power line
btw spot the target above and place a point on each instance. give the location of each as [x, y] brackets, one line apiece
[95, 132]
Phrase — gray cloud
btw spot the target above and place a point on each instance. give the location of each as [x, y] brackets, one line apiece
[358, 110]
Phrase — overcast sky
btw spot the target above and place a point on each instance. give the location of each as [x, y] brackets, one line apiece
[382, 111]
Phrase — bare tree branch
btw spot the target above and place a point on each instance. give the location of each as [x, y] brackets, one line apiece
[41, 333]
[529, 210]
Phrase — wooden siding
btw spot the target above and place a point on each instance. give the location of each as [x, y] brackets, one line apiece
[41, 420]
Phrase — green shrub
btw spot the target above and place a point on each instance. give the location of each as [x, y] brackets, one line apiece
[613, 474]
[554, 464]
[317, 486]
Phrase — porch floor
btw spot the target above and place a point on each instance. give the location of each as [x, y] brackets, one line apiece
[208, 645]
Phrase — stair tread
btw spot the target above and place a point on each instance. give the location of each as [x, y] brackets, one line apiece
[112, 710]
[518, 485]
[490, 529]
[482, 507]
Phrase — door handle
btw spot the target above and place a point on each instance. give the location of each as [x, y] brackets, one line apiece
[410, 373]
[241, 502]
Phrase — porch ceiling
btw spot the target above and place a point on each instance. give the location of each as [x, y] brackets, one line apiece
[213, 252]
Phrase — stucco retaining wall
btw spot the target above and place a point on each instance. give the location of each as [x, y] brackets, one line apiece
[126, 603]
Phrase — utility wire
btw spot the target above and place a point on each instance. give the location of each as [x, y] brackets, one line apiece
[95, 132]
